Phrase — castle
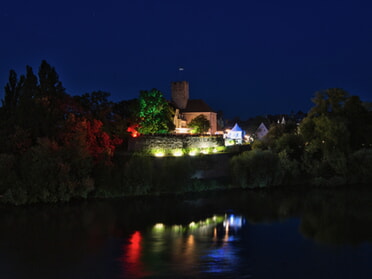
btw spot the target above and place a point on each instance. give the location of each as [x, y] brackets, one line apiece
[187, 109]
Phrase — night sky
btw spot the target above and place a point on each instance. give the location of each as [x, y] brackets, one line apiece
[244, 57]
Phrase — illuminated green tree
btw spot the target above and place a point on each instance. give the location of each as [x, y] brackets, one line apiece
[156, 115]
[200, 124]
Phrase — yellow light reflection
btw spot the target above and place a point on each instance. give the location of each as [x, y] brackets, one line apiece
[192, 225]
[159, 226]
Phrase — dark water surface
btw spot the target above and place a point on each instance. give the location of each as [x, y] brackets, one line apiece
[245, 234]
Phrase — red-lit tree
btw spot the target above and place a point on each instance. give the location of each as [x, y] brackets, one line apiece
[88, 135]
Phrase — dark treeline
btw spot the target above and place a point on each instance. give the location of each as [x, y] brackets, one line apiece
[331, 146]
[53, 143]
[57, 147]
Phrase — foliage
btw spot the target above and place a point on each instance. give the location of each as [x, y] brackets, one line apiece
[256, 168]
[337, 122]
[292, 145]
[199, 124]
[89, 136]
[35, 104]
[290, 169]
[95, 105]
[8, 172]
[336, 127]
[56, 147]
[172, 174]
[139, 174]
[155, 113]
[49, 173]
[360, 169]
[259, 144]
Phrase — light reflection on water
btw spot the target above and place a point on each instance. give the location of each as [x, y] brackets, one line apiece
[204, 248]
[293, 234]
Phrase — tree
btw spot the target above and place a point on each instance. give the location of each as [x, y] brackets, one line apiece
[338, 121]
[336, 127]
[12, 92]
[329, 102]
[29, 92]
[200, 124]
[50, 101]
[89, 136]
[9, 107]
[126, 117]
[35, 104]
[95, 105]
[156, 115]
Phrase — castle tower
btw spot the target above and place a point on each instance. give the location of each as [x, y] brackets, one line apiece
[180, 93]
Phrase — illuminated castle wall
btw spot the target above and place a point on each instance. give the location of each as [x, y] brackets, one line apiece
[149, 142]
[187, 109]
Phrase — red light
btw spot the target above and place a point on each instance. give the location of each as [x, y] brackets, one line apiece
[134, 248]
[133, 131]
[132, 262]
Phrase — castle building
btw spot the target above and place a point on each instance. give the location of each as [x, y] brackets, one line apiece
[187, 109]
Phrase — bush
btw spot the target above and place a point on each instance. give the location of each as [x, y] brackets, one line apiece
[259, 144]
[138, 175]
[361, 167]
[7, 171]
[290, 169]
[292, 144]
[47, 173]
[256, 168]
[172, 174]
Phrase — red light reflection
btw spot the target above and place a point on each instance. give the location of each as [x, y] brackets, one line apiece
[132, 264]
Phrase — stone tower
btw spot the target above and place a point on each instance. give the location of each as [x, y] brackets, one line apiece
[180, 93]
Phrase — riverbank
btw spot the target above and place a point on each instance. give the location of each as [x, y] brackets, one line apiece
[143, 175]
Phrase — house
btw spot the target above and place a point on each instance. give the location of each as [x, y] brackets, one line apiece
[187, 109]
[261, 131]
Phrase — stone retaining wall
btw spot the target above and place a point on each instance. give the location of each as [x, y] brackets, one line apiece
[149, 142]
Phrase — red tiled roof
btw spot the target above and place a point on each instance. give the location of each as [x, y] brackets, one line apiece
[197, 105]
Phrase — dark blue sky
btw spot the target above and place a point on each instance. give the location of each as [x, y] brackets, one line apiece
[245, 57]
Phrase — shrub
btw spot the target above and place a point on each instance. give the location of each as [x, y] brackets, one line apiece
[138, 175]
[49, 173]
[290, 169]
[292, 144]
[256, 168]
[259, 144]
[7, 171]
[172, 174]
[361, 166]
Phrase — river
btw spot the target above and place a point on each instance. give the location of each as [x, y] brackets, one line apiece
[286, 233]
